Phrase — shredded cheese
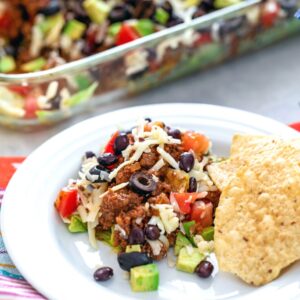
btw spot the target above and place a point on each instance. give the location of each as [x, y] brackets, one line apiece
[158, 165]
[168, 216]
[157, 221]
[167, 157]
[123, 234]
[164, 240]
[119, 186]
[155, 246]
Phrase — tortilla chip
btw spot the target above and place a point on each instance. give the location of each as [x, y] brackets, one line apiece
[251, 149]
[257, 223]
[245, 146]
[221, 172]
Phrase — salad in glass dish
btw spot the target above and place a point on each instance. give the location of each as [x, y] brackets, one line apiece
[147, 191]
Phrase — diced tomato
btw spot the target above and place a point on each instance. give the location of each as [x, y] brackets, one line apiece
[31, 107]
[20, 89]
[66, 202]
[270, 13]
[296, 126]
[202, 213]
[109, 148]
[204, 38]
[195, 141]
[185, 200]
[5, 20]
[126, 35]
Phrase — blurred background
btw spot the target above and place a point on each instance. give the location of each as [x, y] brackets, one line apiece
[61, 63]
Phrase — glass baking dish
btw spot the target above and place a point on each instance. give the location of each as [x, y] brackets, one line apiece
[46, 97]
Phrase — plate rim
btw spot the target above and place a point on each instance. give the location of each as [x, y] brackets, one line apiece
[7, 204]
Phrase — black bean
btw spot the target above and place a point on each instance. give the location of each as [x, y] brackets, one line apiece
[142, 183]
[204, 269]
[16, 42]
[167, 6]
[133, 259]
[152, 232]
[144, 9]
[107, 159]
[51, 9]
[289, 6]
[174, 21]
[9, 50]
[174, 133]
[119, 13]
[121, 143]
[186, 161]
[55, 101]
[24, 13]
[89, 154]
[136, 236]
[198, 13]
[232, 25]
[148, 120]
[192, 185]
[207, 5]
[103, 274]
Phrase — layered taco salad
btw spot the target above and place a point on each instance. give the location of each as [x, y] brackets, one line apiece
[146, 191]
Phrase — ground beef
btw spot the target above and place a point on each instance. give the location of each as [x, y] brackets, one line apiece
[119, 241]
[115, 202]
[126, 220]
[213, 197]
[174, 150]
[160, 199]
[163, 252]
[148, 160]
[125, 173]
[172, 238]
[162, 187]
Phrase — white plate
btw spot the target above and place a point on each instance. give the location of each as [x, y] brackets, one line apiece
[60, 265]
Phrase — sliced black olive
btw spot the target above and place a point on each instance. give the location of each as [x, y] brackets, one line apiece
[133, 259]
[107, 159]
[96, 174]
[142, 183]
[51, 9]
[89, 154]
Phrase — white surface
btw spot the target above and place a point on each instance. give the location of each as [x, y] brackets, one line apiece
[60, 265]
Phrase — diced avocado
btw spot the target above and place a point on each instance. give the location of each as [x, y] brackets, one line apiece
[187, 262]
[161, 16]
[133, 248]
[82, 81]
[77, 225]
[74, 29]
[187, 227]
[114, 29]
[208, 233]
[46, 25]
[105, 236]
[97, 10]
[7, 64]
[144, 27]
[81, 96]
[34, 65]
[225, 3]
[144, 278]
[181, 241]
